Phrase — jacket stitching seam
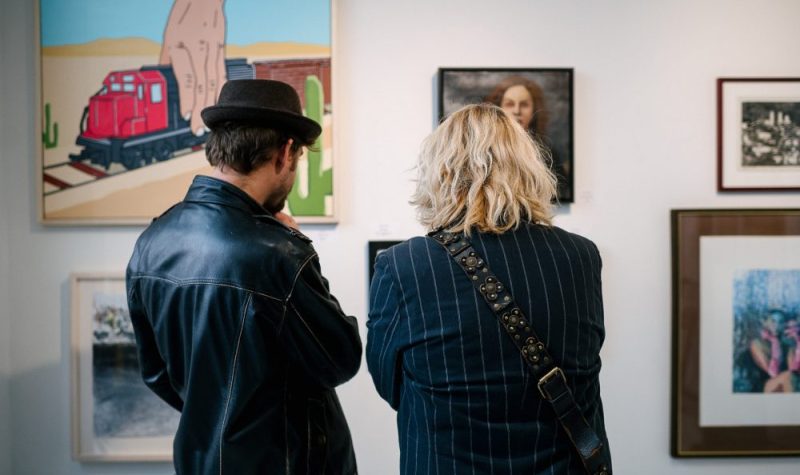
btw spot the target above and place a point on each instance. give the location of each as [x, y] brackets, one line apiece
[205, 282]
[291, 291]
[233, 378]
[297, 275]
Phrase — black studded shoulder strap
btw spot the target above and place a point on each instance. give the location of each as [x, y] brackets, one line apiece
[552, 383]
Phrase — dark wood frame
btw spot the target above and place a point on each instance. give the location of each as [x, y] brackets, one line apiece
[570, 180]
[720, 152]
[688, 438]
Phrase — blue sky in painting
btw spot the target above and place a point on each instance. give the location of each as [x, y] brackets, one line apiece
[66, 22]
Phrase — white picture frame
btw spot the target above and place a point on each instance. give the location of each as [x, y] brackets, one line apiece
[115, 417]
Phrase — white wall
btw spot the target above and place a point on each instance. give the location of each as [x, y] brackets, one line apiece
[645, 143]
[5, 353]
[39, 262]
[5, 340]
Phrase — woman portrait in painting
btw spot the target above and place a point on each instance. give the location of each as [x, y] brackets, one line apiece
[774, 353]
[523, 99]
[768, 351]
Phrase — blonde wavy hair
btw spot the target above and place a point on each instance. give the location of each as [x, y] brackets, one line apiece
[480, 169]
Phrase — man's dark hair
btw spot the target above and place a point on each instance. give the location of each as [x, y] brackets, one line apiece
[245, 147]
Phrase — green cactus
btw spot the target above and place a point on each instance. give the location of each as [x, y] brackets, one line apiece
[50, 141]
[320, 183]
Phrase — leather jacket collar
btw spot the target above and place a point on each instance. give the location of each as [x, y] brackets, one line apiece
[206, 189]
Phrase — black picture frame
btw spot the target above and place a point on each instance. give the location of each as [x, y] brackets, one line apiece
[373, 249]
[555, 88]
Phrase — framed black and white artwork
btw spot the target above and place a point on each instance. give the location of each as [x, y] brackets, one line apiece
[758, 134]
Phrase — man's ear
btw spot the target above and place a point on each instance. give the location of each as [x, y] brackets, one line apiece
[284, 157]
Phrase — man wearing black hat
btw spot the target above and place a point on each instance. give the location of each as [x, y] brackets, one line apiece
[235, 325]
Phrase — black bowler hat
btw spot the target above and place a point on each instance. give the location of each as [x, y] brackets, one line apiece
[264, 102]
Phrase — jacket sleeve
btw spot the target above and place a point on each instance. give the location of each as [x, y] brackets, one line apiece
[386, 334]
[598, 293]
[153, 368]
[316, 333]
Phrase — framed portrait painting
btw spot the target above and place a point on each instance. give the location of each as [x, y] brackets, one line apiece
[123, 85]
[758, 134]
[115, 417]
[736, 332]
[541, 100]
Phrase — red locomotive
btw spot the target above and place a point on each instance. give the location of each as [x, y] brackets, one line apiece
[134, 119]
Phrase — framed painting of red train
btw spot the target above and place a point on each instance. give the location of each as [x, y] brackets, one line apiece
[735, 332]
[123, 84]
[540, 99]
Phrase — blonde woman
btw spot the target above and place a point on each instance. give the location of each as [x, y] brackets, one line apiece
[467, 401]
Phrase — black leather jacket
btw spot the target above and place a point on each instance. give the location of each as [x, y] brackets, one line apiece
[237, 330]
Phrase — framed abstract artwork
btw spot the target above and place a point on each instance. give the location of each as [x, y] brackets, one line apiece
[123, 84]
[541, 100]
[115, 417]
[735, 332]
[758, 134]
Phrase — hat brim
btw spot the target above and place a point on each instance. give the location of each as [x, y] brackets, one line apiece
[301, 126]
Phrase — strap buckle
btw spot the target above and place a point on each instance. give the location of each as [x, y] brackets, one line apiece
[544, 380]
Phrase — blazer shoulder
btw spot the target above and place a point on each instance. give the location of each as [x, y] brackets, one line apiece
[578, 239]
[397, 258]
[387, 257]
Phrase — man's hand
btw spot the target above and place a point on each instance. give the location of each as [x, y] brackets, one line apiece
[287, 220]
[194, 43]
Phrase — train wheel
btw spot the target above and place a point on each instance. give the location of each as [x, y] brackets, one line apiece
[163, 151]
[132, 159]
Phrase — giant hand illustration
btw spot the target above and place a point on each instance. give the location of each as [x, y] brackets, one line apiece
[194, 43]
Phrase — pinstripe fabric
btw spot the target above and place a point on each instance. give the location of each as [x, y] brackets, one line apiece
[465, 400]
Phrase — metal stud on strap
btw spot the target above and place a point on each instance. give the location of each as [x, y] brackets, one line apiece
[471, 263]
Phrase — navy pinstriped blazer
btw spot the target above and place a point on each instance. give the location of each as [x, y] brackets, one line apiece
[466, 402]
